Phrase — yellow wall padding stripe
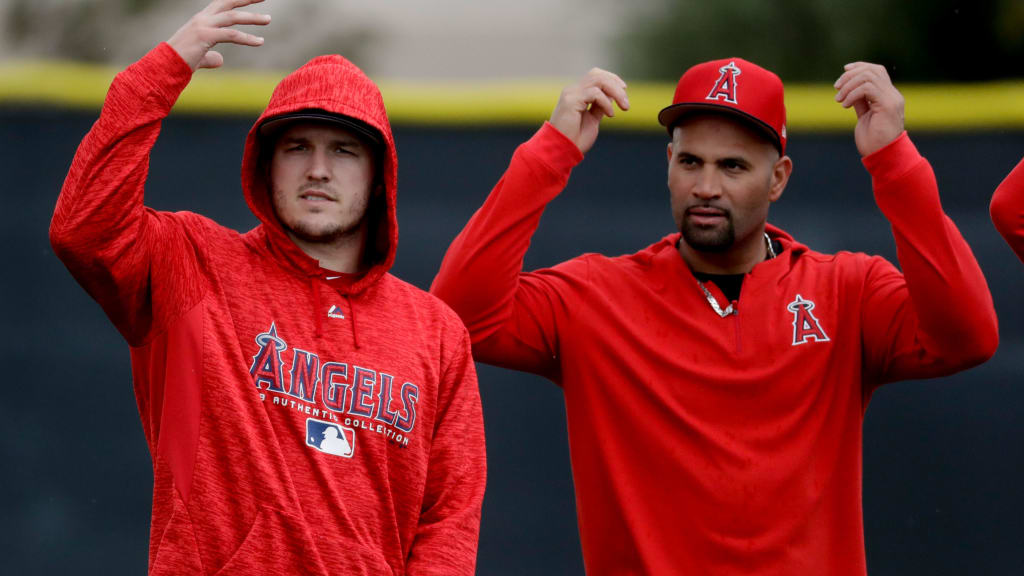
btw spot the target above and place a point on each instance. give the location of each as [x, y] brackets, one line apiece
[986, 106]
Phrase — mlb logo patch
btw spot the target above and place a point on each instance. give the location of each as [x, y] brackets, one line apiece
[330, 438]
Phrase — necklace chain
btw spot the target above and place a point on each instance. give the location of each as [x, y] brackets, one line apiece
[730, 309]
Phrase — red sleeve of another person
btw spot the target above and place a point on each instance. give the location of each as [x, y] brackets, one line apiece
[1007, 209]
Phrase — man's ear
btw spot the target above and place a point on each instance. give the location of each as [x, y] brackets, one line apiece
[780, 177]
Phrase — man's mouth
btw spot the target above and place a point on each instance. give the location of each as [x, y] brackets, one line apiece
[706, 215]
[316, 196]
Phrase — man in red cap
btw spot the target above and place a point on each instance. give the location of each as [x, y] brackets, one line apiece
[306, 411]
[739, 360]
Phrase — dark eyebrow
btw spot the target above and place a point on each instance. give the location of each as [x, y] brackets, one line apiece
[343, 141]
[346, 142]
[735, 160]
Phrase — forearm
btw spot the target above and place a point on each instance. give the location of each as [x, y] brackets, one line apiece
[948, 295]
[100, 227]
[1007, 209]
[480, 272]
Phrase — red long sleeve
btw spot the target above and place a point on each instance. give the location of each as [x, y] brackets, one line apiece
[446, 537]
[116, 248]
[939, 315]
[480, 275]
[1007, 209]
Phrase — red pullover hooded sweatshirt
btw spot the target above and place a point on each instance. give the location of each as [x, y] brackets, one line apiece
[1007, 209]
[297, 424]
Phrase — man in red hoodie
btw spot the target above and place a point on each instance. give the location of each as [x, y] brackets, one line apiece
[716, 381]
[306, 411]
[1007, 209]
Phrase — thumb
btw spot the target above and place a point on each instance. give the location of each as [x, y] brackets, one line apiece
[861, 107]
[593, 116]
[213, 59]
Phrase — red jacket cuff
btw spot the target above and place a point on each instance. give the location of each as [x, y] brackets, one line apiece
[555, 149]
[893, 160]
[164, 71]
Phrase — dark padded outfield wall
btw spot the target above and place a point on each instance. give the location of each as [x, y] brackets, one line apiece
[943, 459]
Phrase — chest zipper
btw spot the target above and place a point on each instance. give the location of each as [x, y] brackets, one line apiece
[736, 325]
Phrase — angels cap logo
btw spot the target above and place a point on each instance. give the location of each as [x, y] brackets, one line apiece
[330, 438]
[805, 326]
[725, 86]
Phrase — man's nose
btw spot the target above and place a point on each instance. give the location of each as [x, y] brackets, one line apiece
[708, 184]
[318, 166]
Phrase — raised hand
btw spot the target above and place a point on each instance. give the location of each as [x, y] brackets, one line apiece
[582, 105]
[214, 25]
[879, 105]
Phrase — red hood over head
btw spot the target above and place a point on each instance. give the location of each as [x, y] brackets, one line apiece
[335, 85]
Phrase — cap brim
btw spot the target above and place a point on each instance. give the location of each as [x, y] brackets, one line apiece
[671, 115]
[275, 124]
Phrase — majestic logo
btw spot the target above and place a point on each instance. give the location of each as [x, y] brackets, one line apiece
[805, 326]
[335, 312]
[725, 86]
[330, 438]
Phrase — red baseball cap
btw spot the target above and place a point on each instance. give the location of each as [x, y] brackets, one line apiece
[732, 86]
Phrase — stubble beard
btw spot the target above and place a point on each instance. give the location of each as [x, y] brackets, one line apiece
[329, 234]
[324, 233]
[718, 239]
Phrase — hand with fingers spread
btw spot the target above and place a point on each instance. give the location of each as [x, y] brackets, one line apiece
[215, 25]
[582, 105]
[879, 105]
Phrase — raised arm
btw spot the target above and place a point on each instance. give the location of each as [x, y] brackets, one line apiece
[937, 317]
[100, 228]
[511, 315]
[1007, 209]
[448, 532]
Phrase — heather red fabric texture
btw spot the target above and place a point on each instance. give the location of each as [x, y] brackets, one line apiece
[246, 358]
[1007, 209]
[710, 445]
